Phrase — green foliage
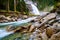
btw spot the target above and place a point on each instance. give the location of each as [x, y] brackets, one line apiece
[11, 3]
[41, 4]
[21, 6]
[2, 4]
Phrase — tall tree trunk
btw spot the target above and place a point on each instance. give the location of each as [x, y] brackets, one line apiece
[8, 6]
[15, 5]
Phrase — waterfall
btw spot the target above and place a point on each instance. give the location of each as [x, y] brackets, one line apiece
[35, 10]
[4, 33]
[32, 7]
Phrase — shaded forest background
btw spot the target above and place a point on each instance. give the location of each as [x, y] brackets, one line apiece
[20, 5]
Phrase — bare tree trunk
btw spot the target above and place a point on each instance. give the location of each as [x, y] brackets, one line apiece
[8, 6]
[15, 5]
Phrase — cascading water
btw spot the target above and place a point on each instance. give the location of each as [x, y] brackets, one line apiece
[18, 23]
[4, 33]
[32, 7]
[35, 11]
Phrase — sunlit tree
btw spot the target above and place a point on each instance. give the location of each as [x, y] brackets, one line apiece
[15, 5]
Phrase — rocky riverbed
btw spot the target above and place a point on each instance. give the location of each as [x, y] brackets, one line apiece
[41, 28]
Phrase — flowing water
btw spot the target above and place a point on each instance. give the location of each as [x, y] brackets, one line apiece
[33, 9]
[4, 33]
[18, 23]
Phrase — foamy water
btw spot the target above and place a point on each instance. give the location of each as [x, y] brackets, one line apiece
[18, 23]
[4, 33]
[34, 9]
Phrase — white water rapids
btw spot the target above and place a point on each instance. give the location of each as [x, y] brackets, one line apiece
[4, 33]
[18, 23]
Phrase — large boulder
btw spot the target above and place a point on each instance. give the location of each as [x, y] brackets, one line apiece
[55, 36]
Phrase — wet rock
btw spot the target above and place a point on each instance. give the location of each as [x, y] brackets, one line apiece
[50, 31]
[36, 24]
[47, 18]
[18, 29]
[2, 17]
[31, 28]
[19, 19]
[56, 26]
[24, 31]
[58, 17]
[32, 21]
[37, 19]
[14, 18]
[50, 22]
[10, 28]
[35, 35]
[42, 28]
[50, 16]
[5, 21]
[55, 36]
[8, 18]
[44, 36]
[25, 16]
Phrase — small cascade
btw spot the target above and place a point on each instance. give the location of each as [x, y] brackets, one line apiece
[33, 9]
[4, 33]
